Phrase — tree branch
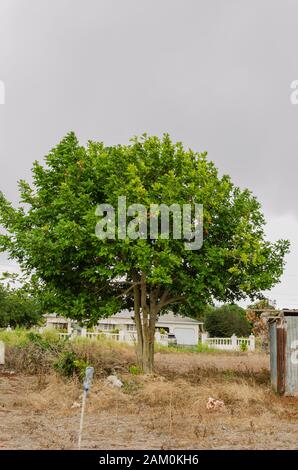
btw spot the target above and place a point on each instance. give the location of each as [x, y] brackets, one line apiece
[170, 301]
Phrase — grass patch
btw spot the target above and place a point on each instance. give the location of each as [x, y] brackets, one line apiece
[200, 348]
[32, 352]
[17, 337]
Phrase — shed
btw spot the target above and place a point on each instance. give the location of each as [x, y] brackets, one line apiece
[283, 335]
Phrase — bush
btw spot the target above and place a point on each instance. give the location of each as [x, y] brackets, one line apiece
[69, 364]
[135, 370]
[243, 347]
[17, 337]
[227, 320]
[31, 358]
[18, 308]
[205, 348]
[51, 335]
[32, 352]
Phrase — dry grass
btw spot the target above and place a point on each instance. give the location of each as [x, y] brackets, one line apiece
[167, 410]
[34, 358]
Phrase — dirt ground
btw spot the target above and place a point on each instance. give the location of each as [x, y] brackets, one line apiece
[166, 411]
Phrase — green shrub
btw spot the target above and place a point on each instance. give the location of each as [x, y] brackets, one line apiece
[135, 370]
[201, 347]
[51, 335]
[46, 341]
[243, 346]
[31, 352]
[16, 337]
[69, 364]
[17, 307]
[227, 320]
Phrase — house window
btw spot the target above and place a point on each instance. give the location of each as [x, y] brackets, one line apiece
[107, 326]
[60, 326]
[130, 327]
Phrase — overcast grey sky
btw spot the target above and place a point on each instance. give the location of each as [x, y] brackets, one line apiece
[214, 74]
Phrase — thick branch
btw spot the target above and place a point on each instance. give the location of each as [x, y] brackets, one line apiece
[126, 291]
[173, 300]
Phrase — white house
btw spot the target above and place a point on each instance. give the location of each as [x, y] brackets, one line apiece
[59, 323]
[186, 330]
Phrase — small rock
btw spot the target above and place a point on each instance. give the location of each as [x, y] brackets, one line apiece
[76, 405]
[113, 380]
[213, 404]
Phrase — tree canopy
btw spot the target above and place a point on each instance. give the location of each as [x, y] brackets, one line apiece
[18, 308]
[52, 234]
[227, 320]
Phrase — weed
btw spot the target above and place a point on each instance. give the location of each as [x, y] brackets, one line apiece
[134, 370]
[243, 346]
[69, 365]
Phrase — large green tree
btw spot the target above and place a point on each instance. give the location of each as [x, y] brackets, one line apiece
[18, 307]
[52, 234]
[227, 320]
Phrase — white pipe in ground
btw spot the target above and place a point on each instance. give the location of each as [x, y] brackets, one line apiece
[87, 385]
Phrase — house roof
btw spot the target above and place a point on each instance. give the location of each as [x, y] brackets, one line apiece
[165, 318]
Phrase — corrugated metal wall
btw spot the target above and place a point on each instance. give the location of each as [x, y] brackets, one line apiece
[273, 355]
[291, 385]
[283, 333]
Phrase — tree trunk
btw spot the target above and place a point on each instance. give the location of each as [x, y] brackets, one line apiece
[138, 321]
[145, 312]
[147, 304]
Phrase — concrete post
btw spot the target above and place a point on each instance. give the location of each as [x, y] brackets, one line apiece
[204, 337]
[157, 337]
[122, 336]
[84, 332]
[252, 343]
[234, 342]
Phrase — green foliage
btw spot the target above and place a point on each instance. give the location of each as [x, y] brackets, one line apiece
[37, 339]
[18, 308]
[52, 233]
[30, 352]
[262, 304]
[201, 348]
[204, 348]
[16, 337]
[48, 340]
[204, 311]
[135, 370]
[243, 347]
[21, 336]
[68, 364]
[227, 320]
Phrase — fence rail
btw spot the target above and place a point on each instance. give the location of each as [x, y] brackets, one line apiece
[129, 337]
[229, 344]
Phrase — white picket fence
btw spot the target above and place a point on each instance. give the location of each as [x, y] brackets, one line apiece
[229, 344]
[129, 337]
